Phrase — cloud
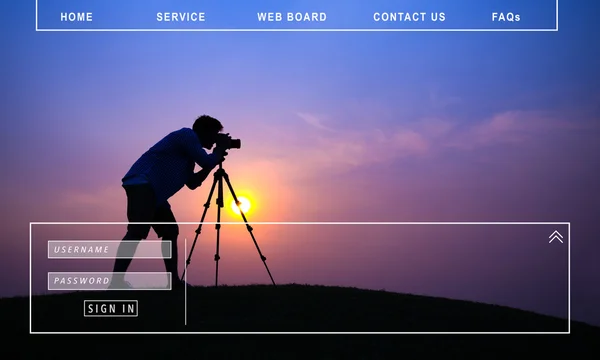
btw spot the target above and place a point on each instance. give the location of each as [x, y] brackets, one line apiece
[103, 202]
[439, 101]
[506, 127]
[348, 147]
[314, 121]
[435, 128]
[510, 127]
[325, 148]
[328, 149]
[312, 145]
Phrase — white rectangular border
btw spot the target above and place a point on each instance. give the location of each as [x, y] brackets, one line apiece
[568, 224]
[110, 257]
[37, 29]
[137, 309]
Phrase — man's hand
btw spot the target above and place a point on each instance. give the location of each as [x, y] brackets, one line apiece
[221, 152]
[198, 178]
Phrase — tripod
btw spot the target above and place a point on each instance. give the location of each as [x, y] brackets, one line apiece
[219, 176]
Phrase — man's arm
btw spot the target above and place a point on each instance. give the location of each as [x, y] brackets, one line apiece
[194, 149]
[198, 178]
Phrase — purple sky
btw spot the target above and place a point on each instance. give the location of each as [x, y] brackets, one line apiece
[335, 127]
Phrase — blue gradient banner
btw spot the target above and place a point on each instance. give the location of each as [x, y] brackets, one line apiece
[297, 15]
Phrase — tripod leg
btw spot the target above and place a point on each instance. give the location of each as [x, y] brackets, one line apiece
[218, 224]
[262, 257]
[199, 229]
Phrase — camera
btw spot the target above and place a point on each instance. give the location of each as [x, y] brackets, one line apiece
[227, 142]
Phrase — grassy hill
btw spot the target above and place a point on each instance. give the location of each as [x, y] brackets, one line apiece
[292, 308]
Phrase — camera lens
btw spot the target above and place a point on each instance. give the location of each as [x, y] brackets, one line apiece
[236, 144]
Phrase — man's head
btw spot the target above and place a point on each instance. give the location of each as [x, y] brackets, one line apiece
[207, 128]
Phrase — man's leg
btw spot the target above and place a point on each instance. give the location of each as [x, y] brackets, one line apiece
[141, 207]
[168, 232]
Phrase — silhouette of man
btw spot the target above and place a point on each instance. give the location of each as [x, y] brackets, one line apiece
[157, 175]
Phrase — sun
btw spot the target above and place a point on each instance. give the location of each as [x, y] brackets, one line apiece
[244, 205]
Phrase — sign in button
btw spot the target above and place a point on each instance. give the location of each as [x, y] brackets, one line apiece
[110, 308]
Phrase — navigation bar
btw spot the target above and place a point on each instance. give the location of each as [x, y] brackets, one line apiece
[306, 15]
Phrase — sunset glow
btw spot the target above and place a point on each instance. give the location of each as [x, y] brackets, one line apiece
[244, 205]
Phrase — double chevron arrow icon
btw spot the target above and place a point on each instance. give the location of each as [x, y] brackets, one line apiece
[556, 236]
